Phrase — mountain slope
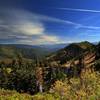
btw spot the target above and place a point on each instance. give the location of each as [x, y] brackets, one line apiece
[71, 51]
[26, 51]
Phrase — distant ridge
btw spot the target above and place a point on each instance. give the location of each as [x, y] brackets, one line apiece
[28, 51]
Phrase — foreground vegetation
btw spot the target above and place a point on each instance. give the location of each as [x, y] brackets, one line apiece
[86, 88]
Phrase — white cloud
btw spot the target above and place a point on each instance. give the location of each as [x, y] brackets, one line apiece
[80, 10]
[42, 39]
[26, 27]
[23, 22]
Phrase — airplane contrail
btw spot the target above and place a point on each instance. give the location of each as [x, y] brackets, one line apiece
[80, 10]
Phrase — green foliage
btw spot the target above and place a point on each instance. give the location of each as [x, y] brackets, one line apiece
[86, 88]
[46, 96]
[19, 76]
[13, 95]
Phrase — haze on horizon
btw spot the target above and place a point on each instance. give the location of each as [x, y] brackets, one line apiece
[49, 22]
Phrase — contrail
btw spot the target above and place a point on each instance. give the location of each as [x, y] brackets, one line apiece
[80, 10]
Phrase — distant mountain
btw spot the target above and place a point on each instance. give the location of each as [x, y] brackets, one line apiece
[54, 47]
[28, 51]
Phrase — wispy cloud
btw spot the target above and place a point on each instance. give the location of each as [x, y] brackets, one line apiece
[80, 10]
[26, 27]
[29, 28]
[88, 27]
[25, 19]
[41, 39]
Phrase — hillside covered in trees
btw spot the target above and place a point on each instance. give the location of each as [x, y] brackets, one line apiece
[71, 73]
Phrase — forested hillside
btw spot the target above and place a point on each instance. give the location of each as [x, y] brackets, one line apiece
[13, 51]
[71, 51]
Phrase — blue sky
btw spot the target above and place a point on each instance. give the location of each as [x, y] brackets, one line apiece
[49, 21]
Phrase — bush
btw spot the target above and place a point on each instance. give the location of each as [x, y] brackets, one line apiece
[85, 88]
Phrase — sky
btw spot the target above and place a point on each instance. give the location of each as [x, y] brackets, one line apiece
[36, 22]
